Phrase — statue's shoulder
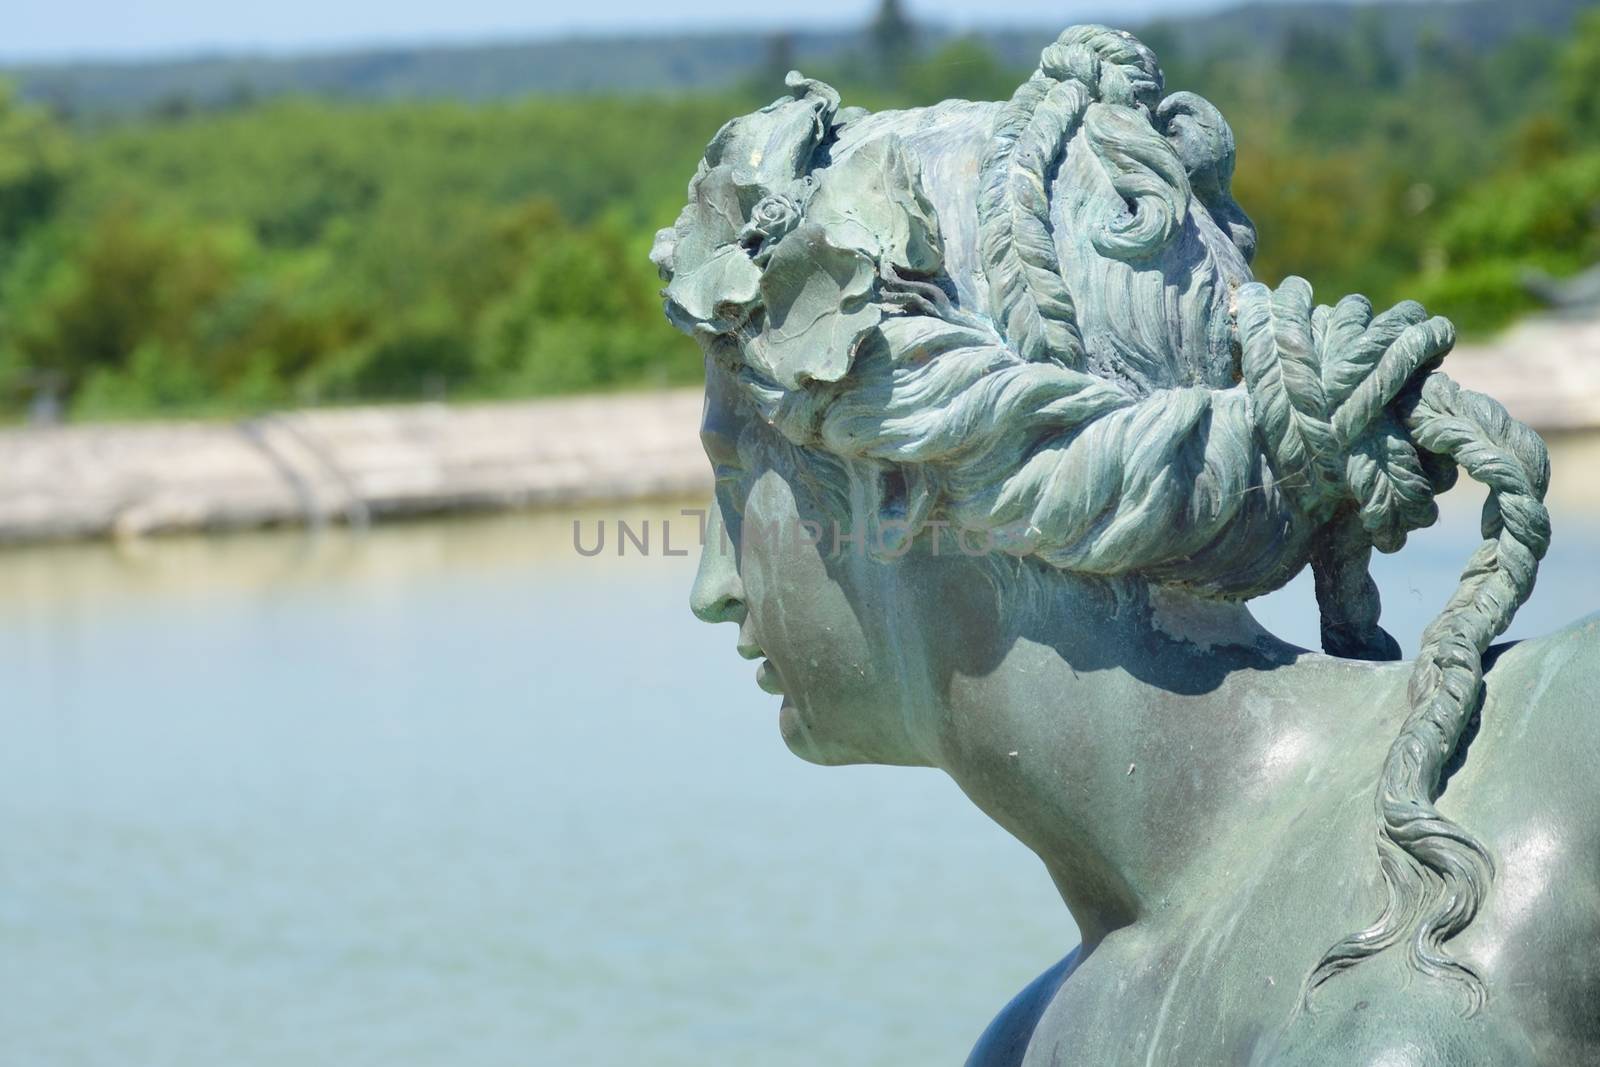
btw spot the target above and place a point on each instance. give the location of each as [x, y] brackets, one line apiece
[1006, 1038]
[1555, 654]
[1548, 686]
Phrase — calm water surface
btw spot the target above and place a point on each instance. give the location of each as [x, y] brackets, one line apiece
[449, 794]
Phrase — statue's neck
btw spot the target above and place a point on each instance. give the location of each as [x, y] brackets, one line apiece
[1130, 752]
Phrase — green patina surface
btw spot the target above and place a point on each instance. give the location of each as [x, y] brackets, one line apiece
[1013, 356]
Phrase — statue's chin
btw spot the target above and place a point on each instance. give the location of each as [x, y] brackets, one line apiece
[803, 742]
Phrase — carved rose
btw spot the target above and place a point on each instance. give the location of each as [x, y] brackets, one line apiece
[773, 218]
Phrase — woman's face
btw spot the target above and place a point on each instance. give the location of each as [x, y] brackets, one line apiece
[815, 610]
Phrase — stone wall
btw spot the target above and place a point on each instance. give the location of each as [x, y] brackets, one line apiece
[346, 465]
[1545, 370]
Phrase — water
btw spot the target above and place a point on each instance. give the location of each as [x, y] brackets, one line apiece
[448, 794]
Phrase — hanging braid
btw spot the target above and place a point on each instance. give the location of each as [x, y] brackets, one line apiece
[1436, 872]
[1320, 413]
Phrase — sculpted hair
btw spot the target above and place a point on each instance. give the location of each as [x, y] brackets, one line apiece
[1100, 384]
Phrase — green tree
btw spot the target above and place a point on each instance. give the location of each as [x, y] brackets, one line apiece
[893, 39]
[124, 283]
[36, 158]
[1580, 75]
[582, 313]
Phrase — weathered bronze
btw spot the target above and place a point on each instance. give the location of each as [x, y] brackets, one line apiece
[1005, 436]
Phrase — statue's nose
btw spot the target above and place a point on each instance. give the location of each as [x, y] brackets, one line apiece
[717, 595]
[725, 608]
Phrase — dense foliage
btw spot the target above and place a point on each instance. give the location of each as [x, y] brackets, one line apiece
[299, 251]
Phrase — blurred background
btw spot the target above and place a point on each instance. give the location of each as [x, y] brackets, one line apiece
[449, 791]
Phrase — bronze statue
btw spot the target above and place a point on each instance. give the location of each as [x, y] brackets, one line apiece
[1005, 437]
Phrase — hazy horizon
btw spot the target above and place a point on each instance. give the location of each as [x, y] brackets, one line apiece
[99, 30]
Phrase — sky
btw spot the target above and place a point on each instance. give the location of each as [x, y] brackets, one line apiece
[42, 30]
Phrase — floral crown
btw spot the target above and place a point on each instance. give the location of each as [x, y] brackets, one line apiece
[788, 259]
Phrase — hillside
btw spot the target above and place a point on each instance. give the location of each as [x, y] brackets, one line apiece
[697, 62]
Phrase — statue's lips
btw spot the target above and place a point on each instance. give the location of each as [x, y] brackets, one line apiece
[766, 675]
[767, 678]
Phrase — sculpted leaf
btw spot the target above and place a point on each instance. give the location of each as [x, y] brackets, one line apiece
[709, 221]
[770, 148]
[817, 293]
[873, 200]
[717, 295]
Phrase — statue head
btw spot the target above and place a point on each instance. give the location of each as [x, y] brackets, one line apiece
[1026, 335]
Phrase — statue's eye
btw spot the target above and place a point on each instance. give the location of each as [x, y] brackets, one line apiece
[732, 486]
